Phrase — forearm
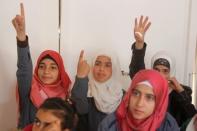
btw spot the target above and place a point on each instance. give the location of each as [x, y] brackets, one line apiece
[137, 60]
[24, 71]
[79, 95]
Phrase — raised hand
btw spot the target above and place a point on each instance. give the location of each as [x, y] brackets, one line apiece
[139, 31]
[83, 68]
[19, 24]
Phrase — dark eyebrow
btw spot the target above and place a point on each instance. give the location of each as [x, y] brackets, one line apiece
[44, 123]
[135, 89]
[97, 61]
[41, 63]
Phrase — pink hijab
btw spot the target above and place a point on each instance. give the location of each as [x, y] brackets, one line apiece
[153, 122]
[39, 91]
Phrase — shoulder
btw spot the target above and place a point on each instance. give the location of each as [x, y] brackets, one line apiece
[109, 123]
[169, 124]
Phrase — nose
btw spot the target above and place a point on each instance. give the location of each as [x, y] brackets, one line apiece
[140, 101]
[101, 67]
[46, 70]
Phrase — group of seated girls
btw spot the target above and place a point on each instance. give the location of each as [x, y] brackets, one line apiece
[155, 101]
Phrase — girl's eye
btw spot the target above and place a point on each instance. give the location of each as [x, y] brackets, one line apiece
[108, 65]
[135, 93]
[150, 97]
[54, 67]
[97, 63]
[41, 66]
[37, 122]
[166, 71]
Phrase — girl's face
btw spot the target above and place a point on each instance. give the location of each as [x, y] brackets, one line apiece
[45, 120]
[48, 71]
[142, 102]
[102, 69]
[163, 70]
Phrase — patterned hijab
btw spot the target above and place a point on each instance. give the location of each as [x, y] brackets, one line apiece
[40, 91]
[107, 95]
[160, 88]
[165, 59]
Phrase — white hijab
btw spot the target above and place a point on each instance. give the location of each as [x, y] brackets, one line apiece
[107, 95]
[168, 57]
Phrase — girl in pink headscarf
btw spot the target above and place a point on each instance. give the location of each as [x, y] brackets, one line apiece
[144, 106]
[49, 79]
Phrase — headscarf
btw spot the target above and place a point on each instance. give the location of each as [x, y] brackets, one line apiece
[165, 59]
[40, 91]
[107, 95]
[160, 88]
[28, 127]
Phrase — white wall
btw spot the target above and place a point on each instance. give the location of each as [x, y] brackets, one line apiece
[90, 25]
[191, 62]
[41, 22]
[93, 24]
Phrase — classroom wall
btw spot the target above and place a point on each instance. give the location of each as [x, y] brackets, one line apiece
[92, 25]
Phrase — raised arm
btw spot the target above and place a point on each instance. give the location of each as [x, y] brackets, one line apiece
[80, 88]
[24, 71]
[139, 46]
[24, 63]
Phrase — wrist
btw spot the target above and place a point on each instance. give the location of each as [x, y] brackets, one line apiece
[139, 45]
[81, 76]
[21, 37]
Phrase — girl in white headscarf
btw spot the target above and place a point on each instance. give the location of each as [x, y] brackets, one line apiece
[98, 89]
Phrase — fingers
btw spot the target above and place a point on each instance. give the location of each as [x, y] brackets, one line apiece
[81, 56]
[136, 25]
[147, 26]
[143, 24]
[14, 23]
[17, 21]
[22, 10]
[145, 21]
[141, 21]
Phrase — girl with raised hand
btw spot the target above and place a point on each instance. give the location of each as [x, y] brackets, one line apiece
[49, 78]
[97, 90]
[180, 101]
